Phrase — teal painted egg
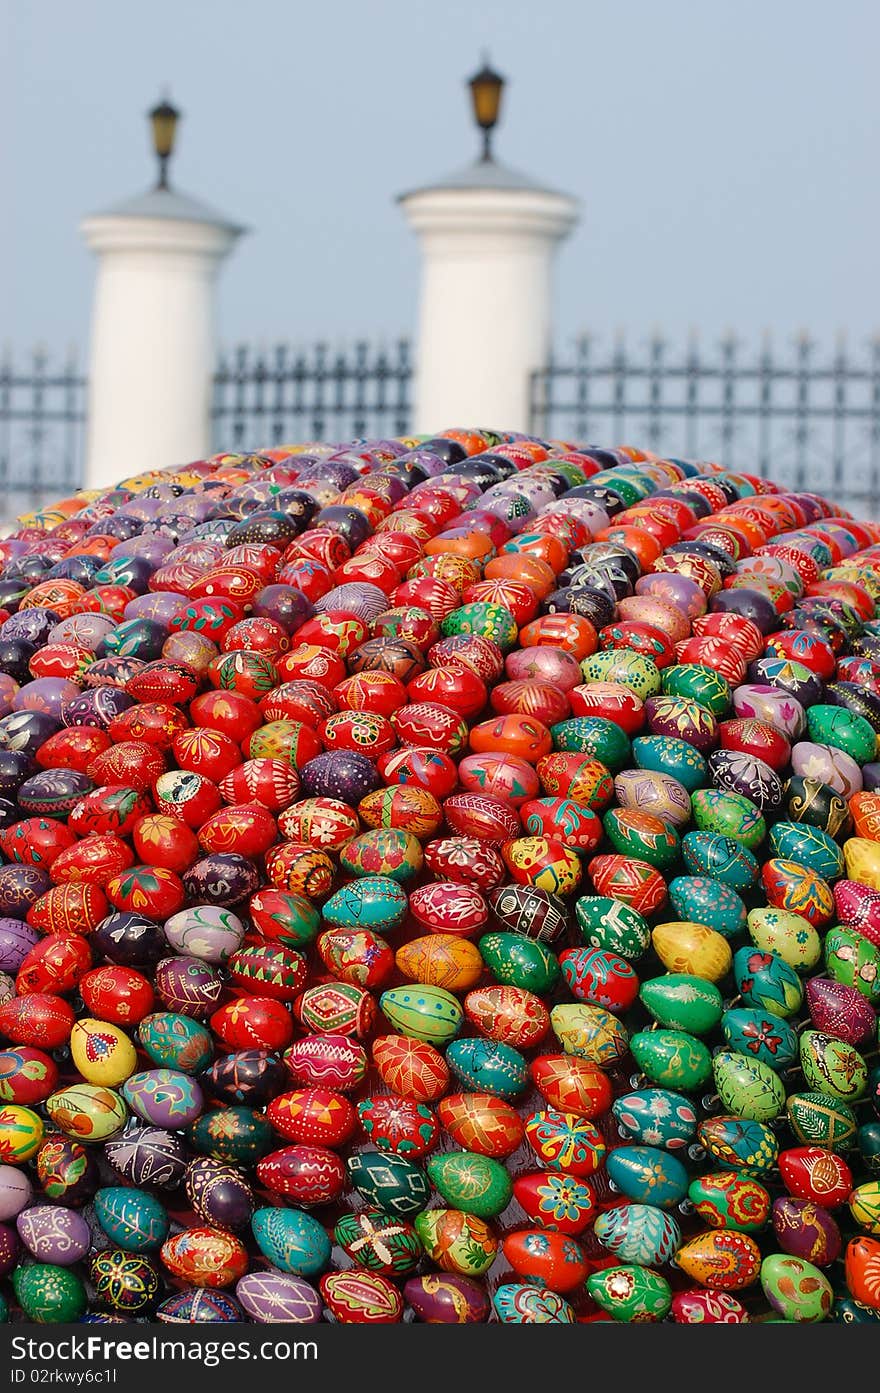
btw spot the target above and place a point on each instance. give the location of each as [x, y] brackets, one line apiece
[764, 1037]
[292, 1240]
[728, 815]
[372, 902]
[707, 853]
[738, 1143]
[765, 981]
[384, 852]
[595, 736]
[639, 1233]
[49, 1295]
[656, 1117]
[612, 925]
[788, 935]
[700, 683]
[393, 1183]
[820, 1119]
[832, 1066]
[746, 1087]
[239, 1136]
[132, 1219]
[809, 846]
[666, 754]
[486, 1066]
[425, 1013]
[681, 1001]
[165, 1097]
[176, 1042]
[843, 730]
[795, 1288]
[702, 900]
[631, 1293]
[648, 1175]
[519, 1304]
[517, 961]
[672, 1058]
[624, 667]
[473, 1183]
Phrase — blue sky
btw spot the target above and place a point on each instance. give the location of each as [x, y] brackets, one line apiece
[726, 154]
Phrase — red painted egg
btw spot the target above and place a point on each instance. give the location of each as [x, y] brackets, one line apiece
[329, 1061]
[38, 1019]
[207, 752]
[365, 732]
[269, 968]
[524, 698]
[481, 1122]
[399, 1125]
[151, 890]
[411, 1068]
[163, 841]
[205, 1257]
[303, 701]
[565, 1142]
[27, 1075]
[133, 763]
[510, 1015]
[339, 1008]
[308, 1175]
[634, 882]
[466, 860]
[563, 819]
[599, 978]
[55, 964]
[556, 1200]
[565, 774]
[69, 909]
[253, 1021]
[272, 783]
[478, 816]
[358, 956]
[313, 663]
[246, 828]
[228, 712]
[73, 748]
[379, 692]
[357, 1297]
[247, 674]
[315, 1115]
[430, 769]
[612, 702]
[506, 777]
[458, 688]
[183, 794]
[571, 1084]
[298, 867]
[756, 738]
[812, 1173]
[36, 841]
[113, 808]
[153, 722]
[164, 681]
[324, 823]
[118, 994]
[554, 1260]
[447, 907]
[409, 808]
[93, 861]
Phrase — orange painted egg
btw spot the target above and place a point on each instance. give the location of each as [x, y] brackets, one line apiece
[510, 1015]
[502, 776]
[441, 960]
[412, 1068]
[205, 1257]
[525, 737]
[572, 1085]
[481, 1122]
[554, 1260]
[724, 1259]
[404, 806]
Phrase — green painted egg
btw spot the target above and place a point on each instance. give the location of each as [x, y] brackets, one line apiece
[702, 900]
[639, 1233]
[463, 1242]
[739, 1143]
[133, 1219]
[590, 1032]
[843, 730]
[730, 1200]
[610, 924]
[699, 683]
[708, 853]
[788, 935]
[239, 1136]
[631, 1293]
[49, 1295]
[809, 846]
[378, 1242]
[760, 1035]
[624, 667]
[647, 1175]
[728, 815]
[517, 961]
[384, 852]
[864, 1206]
[765, 981]
[795, 1288]
[595, 736]
[672, 1058]
[666, 754]
[853, 960]
[423, 1012]
[832, 1066]
[631, 834]
[489, 620]
[746, 1087]
[488, 1066]
[89, 1112]
[176, 1042]
[477, 1184]
[392, 1182]
[819, 1119]
[680, 1001]
[373, 902]
[292, 1240]
[656, 1117]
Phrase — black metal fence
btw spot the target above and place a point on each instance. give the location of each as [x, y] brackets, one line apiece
[42, 418]
[281, 396]
[807, 418]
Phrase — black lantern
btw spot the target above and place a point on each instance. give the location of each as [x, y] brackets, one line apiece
[164, 119]
[486, 88]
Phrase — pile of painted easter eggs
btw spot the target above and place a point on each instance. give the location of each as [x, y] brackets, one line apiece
[440, 881]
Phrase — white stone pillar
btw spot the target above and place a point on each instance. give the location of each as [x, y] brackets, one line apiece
[153, 337]
[486, 295]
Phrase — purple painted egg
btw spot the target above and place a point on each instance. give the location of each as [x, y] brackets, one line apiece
[274, 1298]
[9, 1248]
[341, 774]
[188, 986]
[97, 706]
[219, 1193]
[828, 764]
[165, 1097]
[199, 1306]
[221, 878]
[16, 1191]
[53, 1233]
[147, 1155]
[806, 1230]
[84, 630]
[17, 938]
[660, 795]
[46, 694]
[444, 1298]
[20, 887]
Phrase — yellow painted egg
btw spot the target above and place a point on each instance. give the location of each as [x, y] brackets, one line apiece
[862, 859]
[441, 960]
[790, 935]
[21, 1134]
[102, 1052]
[683, 946]
[589, 1032]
